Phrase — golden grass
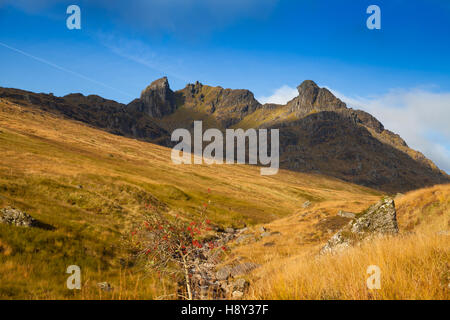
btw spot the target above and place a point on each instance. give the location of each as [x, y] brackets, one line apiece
[414, 265]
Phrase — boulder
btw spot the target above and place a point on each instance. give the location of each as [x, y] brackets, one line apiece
[346, 214]
[240, 285]
[378, 219]
[229, 230]
[243, 268]
[223, 273]
[16, 217]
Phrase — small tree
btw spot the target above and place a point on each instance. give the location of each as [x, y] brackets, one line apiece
[171, 246]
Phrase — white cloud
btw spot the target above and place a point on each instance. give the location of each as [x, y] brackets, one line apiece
[139, 52]
[421, 117]
[280, 96]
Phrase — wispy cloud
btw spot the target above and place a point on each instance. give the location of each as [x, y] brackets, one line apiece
[280, 96]
[63, 69]
[188, 17]
[419, 116]
[141, 53]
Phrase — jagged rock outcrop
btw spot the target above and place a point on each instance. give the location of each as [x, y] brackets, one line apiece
[16, 217]
[313, 98]
[157, 100]
[226, 106]
[378, 219]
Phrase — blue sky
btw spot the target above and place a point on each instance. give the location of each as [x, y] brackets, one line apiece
[261, 45]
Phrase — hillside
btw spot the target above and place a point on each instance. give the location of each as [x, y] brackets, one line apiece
[413, 264]
[88, 187]
[318, 133]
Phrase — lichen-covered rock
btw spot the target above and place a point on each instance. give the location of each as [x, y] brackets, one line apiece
[243, 268]
[346, 214]
[16, 217]
[240, 285]
[378, 219]
[306, 204]
[223, 273]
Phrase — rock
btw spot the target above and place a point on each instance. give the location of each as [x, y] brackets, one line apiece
[269, 244]
[243, 268]
[378, 219]
[311, 95]
[157, 100]
[237, 294]
[346, 214]
[105, 286]
[229, 230]
[16, 217]
[306, 204]
[223, 273]
[244, 238]
[240, 285]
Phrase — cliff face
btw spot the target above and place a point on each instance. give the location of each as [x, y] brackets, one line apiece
[311, 97]
[226, 106]
[318, 133]
[157, 100]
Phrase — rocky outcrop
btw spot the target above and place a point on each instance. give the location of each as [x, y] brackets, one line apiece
[212, 281]
[16, 217]
[313, 98]
[157, 100]
[226, 106]
[379, 219]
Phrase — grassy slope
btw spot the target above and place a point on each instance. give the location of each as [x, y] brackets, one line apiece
[414, 265]
[90, 186]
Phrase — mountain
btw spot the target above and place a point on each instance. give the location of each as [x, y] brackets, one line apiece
[95, 111]
[318, 132]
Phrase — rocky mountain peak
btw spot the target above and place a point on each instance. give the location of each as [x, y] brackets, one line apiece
[311, 96]
[160, 86]
[157, 100]
[308, 87]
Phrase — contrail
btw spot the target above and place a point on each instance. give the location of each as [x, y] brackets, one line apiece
[64, 69]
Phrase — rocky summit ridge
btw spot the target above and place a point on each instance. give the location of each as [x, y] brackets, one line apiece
[318, 132]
